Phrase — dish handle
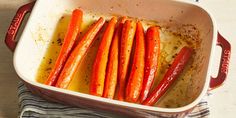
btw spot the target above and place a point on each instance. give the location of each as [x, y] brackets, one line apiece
[224, 62]
[15, 25]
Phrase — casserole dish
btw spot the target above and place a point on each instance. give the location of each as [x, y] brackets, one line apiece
[42, 23]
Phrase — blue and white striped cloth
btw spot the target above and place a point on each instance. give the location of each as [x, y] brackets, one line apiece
[35, 107]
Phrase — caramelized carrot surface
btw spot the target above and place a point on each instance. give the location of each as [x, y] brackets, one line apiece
[112, 67]
[124, 64]
[69, 40]
[170, 76]
[151, 60]
[126, 43]
[135, 80]
[100, 63]
[78, 53]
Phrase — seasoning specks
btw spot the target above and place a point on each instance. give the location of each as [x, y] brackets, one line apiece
[59, 41]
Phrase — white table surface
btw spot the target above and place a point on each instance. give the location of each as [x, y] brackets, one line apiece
[222, 101]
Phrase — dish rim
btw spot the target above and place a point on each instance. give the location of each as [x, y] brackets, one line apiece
[122, 103]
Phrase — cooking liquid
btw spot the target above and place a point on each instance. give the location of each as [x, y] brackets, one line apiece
[171, 44]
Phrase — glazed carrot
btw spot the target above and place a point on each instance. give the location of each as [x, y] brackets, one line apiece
[170, 76]
[112, 66]
[127, 36]
[135, 80]
[77, 54]
[151, 60]
[69, 40]
[100, 63]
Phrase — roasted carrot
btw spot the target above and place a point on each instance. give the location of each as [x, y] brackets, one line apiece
[112, 66]
[77, 54]
[135, 80]
[69, 40]
[127, 36]
[170, 76]
[100, 63]
[151, 60]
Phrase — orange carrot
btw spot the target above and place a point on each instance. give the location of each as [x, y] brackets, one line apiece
[112, 67]
[135, 80]
[100, 63]
[151, 60]
[69, 40]
[77, 54]
[127, 36]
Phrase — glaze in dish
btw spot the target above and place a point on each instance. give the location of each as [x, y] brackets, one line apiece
[182, 23]
[171, 43]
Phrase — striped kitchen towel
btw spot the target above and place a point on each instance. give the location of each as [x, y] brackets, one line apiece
[32, 106]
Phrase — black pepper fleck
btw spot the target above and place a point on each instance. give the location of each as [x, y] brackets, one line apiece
[173, 56]
[59, 41]
[50, 61]
[175, 47]
[167, 106]
[48, 69]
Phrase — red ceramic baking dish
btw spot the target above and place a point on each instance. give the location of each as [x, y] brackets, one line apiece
[184, 19]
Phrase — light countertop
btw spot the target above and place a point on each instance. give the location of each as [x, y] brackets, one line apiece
[222, 101]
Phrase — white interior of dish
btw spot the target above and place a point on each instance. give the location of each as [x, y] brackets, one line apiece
[44, 18]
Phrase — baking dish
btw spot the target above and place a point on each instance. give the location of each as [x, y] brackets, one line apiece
[42, 22]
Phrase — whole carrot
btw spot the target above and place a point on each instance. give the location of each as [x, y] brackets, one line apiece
[151, 60]
[77, 54]
[127, 36]
[135, 80]
[170, 76]
[112, 67]
[100, 63]
[69, 40]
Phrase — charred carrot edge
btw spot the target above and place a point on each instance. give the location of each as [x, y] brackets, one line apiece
[69, 40]
[112, 67]
[171, 75]
[77, 54]
[151, 60]
[100, 63]
[135, 80]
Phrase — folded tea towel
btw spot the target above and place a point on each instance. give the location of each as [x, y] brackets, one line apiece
[32, 106]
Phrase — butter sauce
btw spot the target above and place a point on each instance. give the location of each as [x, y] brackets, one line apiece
[171, 43]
